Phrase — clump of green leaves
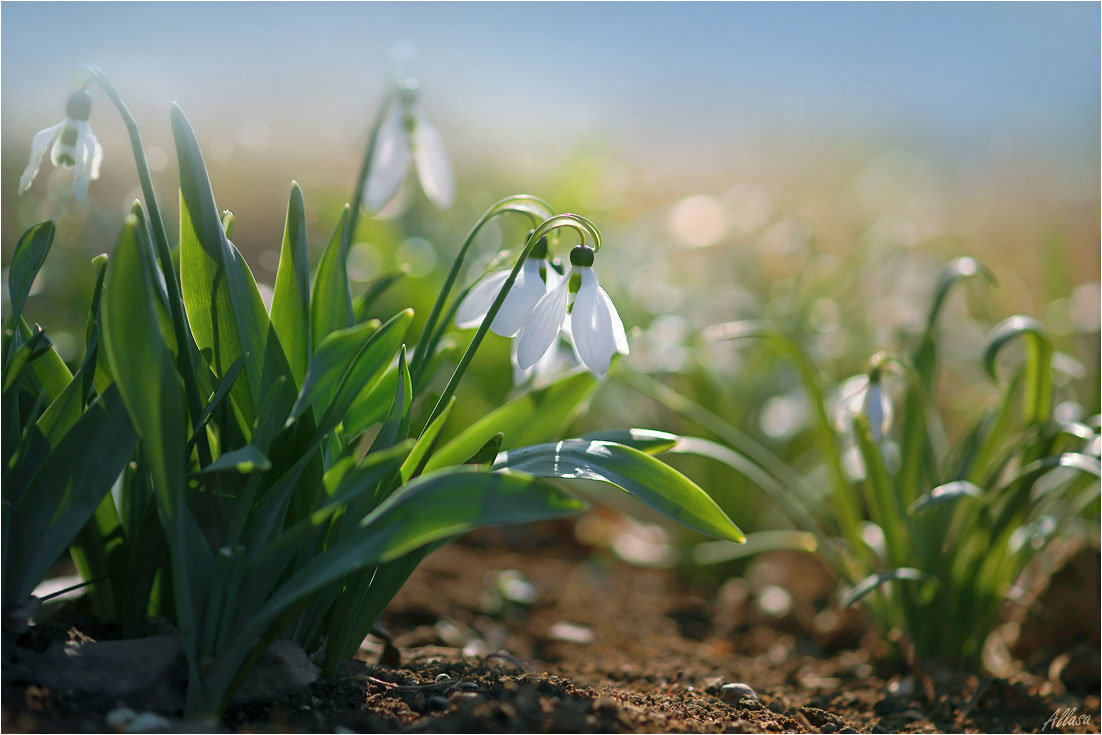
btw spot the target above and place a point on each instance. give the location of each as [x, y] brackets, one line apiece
[253, 474]
[929, 538]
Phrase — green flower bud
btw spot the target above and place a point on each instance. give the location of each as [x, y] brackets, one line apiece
[581, 256]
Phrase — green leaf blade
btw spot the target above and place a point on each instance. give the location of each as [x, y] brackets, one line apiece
[640, 475]
[291, 296]
[533, 417]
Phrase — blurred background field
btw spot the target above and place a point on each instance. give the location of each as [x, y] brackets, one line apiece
[811, 164]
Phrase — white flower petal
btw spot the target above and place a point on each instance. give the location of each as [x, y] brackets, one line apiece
[97, 156]
[619, 335]
[85, 154]
[478, 302]
[541, 329]
[591, 322]
[39, 143]
[520, 375]
[878, 410]
[526, 292]
[68, 149]
[433, 167]
[389, 159]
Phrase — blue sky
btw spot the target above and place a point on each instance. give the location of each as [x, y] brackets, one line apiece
[644, 75]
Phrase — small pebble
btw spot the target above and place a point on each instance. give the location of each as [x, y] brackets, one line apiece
[464, 686]
[571, 633]
[461, 697]
[125, 719]
[737, 692]
[439, 702]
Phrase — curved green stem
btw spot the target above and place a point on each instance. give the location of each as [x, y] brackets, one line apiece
[184, 340]
[361, 180]
[555, 222]
[525, 204]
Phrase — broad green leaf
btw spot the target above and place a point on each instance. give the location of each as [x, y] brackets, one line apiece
[428, 509]
[141, 362]
[1037, 402]
[291, 296]
[373, 402]
[64, 493]
[149, 385]
[30, 253]
[331, 302]
[431, 507]
[425, 444]
[48, 372]
[950, 492]
[345, 364]
[395, 426]
[225, 383]
[35, 347]
[640, 475]
[486, 455]
[224, 308]
[359, 607]
[243, 461]
[535, 416]
[648, 441]
[868, 584]
[361, 307]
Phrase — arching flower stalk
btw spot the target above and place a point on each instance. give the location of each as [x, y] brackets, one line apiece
[74, 146]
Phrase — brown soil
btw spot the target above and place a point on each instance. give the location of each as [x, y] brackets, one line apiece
[594, 645]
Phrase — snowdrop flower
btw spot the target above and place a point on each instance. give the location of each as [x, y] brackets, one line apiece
[863, 395]
[404, 134]
[595, 327]
[74, 146]
[532, 282]
[556, 361]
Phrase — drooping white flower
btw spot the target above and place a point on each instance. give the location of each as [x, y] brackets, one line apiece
[561, 358]
[531, 284]
[596, 329]
[406, 135]
[74, 147]
[861, 396]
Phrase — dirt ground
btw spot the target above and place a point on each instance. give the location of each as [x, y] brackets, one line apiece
[492, 639]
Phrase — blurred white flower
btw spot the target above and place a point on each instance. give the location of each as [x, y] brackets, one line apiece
[74, 146]
[860, 396]
[596, 330]
[405, 134]
[533, 281]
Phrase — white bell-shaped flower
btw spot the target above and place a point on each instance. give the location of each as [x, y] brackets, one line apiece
[596, 329]
[861, 396]
[531, 284]
[556, 361]
[404, 136]
[74, 147]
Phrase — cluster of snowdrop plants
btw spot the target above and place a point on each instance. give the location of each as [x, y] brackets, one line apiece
[254, 473]
[929, 536]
